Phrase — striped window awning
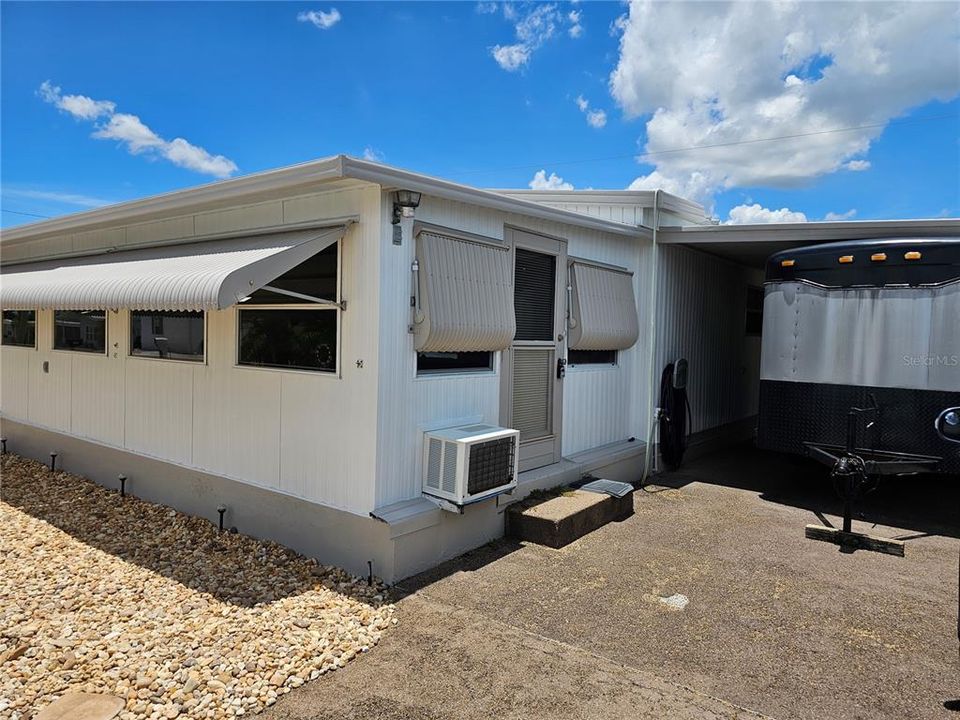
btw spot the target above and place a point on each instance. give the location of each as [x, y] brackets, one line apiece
[465, 295]
[186, 277]
[603, 313]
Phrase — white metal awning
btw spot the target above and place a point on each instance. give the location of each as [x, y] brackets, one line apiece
[603, 311]
[191, 277]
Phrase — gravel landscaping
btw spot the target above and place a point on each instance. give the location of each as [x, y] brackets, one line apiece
[114, 595]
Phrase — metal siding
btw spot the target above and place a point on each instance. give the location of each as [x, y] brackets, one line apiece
[266, 214]
[15, 363]
[96, 399]
[466, 295]
[160, 230]
[597, 408]
[305, 434]
[702, 306]
[158, 408]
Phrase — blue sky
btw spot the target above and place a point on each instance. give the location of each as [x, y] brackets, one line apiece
[489, 94]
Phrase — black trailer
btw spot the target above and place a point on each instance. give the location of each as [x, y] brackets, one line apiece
[861, 345]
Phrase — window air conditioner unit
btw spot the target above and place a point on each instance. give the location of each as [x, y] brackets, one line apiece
[469, 463]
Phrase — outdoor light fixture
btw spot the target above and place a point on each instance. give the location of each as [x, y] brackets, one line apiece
[123, 485]
[405, 202]
[3, 445]
[221, 509]
[53, 462]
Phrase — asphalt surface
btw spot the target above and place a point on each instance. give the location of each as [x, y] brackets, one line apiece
[776, 625]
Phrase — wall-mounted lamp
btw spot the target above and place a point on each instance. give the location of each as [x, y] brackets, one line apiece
[405, 202]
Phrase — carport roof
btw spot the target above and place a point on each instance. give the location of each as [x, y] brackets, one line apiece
[752, 244]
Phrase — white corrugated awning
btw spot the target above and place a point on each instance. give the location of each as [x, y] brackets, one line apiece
[603, 315]
[465, 295]
[191, 277]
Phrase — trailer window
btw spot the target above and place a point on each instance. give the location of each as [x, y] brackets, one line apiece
[167, 335]
[80, 330]
[754, 317]
[290, 338]
[20, 328]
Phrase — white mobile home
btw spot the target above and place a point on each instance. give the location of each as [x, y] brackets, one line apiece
[286, 345]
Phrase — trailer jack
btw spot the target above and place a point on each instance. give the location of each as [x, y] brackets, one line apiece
[856, 472]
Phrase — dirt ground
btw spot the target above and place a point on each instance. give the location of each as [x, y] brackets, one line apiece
[776, 625]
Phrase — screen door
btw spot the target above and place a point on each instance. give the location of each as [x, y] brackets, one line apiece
[532, 399]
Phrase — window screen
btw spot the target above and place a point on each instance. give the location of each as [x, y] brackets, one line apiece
[534, 294]
[167, 335]
[80, 330]
[20, 328]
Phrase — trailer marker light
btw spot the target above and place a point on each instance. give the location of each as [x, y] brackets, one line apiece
[878, 257]
[912, 255]
[846, 258]
[787, 263]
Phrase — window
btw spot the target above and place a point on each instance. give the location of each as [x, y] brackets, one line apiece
[80, 330]
[754, 319]
[20, 328]
[428, 362]
[592, 357]
[168, 335]
[295, 339]
[283, 331]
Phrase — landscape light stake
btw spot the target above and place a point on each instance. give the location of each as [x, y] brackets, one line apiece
[123, 485]
[370, 572]
[53, 462]
[221, 509]
[3, 446]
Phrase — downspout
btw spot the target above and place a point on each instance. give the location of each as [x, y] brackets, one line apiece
[652, 399]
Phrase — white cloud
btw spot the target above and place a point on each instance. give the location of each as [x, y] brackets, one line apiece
[63, 198]
[848, 215]
[511, 57]
[722, 73]
[540, 181]
[486, 8]
[595, 118]
[857, 165]
[80, 106]
[132, 133]
[533, 26]
[320, 19]
[373, 155]
[756, 213]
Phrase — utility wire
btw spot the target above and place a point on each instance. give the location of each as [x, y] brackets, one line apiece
[20, 212]
[641, 156]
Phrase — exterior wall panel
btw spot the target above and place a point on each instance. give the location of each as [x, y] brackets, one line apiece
[311, 435]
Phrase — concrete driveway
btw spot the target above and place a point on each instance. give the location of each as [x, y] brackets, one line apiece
[776, 625]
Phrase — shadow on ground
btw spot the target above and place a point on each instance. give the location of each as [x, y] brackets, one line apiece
[921, 504]
[231, 567]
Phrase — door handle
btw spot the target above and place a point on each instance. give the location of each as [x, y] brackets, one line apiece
[561, 368]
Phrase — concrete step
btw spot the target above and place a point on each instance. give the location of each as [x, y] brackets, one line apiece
[560, 519]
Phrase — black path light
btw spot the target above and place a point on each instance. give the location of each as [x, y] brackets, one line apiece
[3, 446]
[53, 462]
[221, 509]
[123, 484]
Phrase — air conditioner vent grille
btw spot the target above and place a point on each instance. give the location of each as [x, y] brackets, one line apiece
[491, 465]
[450, 467]
[434, 456]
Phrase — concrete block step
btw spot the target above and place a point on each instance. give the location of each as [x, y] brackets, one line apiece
[559, 520]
